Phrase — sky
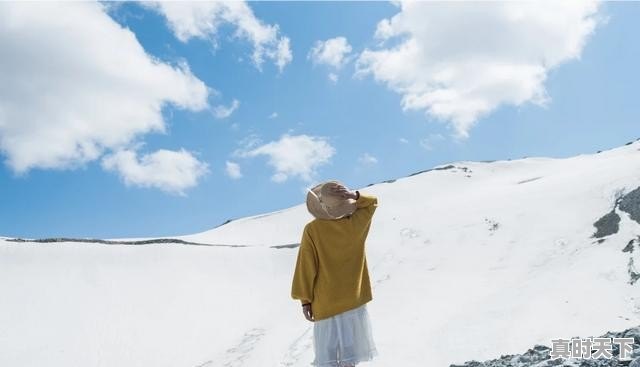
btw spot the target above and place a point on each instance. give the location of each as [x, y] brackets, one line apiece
[159, 119]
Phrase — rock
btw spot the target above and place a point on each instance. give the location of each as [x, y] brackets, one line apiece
[607, 225]
[538, 356]
[630, 204]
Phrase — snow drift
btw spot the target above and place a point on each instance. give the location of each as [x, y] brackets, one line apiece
[468, 261]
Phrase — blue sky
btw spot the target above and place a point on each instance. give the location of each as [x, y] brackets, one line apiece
[372, 123]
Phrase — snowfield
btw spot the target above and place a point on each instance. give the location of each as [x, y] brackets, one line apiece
[468, 261]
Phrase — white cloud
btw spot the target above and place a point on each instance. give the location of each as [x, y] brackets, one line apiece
[293, 156]
[233, 170]
[283, 54]
[367, 159]
[167, 170]
[248, 142]
[200, 19]
[430, 141]
[403, 140]
[458, 61]
[273, 115]
[76, 84]
[332, 52]
[221, 112]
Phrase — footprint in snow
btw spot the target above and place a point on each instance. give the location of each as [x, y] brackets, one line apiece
[235, 356]
[409, 233]
[298, 348]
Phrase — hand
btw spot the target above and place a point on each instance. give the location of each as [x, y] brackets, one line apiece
[308, 313]
[342, 192]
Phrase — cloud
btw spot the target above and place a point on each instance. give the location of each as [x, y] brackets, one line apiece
[199, 19]
[367, 159]
[403, 140]
[332, 52]
[293, 156]
[458, 61]
[233, 170]
[166, 170]
[429, 142]
[248, 142]
[75, 84]
[273, 115]
[221, 112]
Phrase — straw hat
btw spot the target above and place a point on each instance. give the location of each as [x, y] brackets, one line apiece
[322, 203]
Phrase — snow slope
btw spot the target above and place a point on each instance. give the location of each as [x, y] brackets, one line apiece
[469, 261]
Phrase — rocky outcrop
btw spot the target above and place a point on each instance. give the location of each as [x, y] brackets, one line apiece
[630, 204]
[607, 225]
[152, 241]
[443, 168]
[116, 242]
[539, 356]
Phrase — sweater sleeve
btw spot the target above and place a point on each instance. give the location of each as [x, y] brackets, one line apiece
[366, 206]
[306, 270]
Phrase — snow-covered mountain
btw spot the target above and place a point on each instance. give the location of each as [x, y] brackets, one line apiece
[469, 261]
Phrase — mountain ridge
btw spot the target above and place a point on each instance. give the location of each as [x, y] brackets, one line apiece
[467, 264]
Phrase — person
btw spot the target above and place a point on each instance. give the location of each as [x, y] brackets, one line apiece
[331, 276]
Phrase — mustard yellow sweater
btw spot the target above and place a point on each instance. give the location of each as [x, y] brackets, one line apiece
[331, 269]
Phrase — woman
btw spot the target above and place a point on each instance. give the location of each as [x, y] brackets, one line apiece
[331, 278]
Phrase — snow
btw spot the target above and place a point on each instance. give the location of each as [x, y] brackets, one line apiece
[462, 268]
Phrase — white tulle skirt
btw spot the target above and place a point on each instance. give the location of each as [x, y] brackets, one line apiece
[344, 339]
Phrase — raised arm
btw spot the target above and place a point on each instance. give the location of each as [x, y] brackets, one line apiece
[366, 206]
[367, 202]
